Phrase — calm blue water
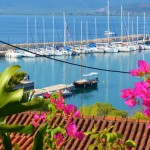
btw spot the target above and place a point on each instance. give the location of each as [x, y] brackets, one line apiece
[45, 72]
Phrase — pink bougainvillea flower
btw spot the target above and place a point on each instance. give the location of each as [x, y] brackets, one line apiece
[59, 138]
[146, 101]
[148, 81]
[147, 112]
[127, 93]
[135, 72]
[79, 135]
[141, 89]
[46, 95]
[35, 120]
[77, 114]
[130, 102]
[69, 109]
[143, 69]
[143, 66]
[71, 129]
[60, 103]
[43, 117]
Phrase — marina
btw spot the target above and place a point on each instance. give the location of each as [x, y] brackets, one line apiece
[46, 72]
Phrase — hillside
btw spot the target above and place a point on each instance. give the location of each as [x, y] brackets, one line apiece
[47, 6]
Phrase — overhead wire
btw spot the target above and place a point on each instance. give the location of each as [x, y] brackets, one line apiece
[79, 65]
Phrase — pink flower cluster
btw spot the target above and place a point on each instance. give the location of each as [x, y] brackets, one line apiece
[69, 111]
[72, 131]
[143, 69]
[141, 90]
[38, 118]
[59, 138]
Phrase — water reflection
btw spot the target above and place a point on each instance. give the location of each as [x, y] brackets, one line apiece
[46, 72]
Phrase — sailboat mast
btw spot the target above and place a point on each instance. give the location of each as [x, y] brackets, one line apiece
[128, 27]
[53, 30]
[137, 31]
[81, 33]
[35, 34]
[95, 28]
[74, 29]
[132, 30]
[44, 32]
[121, 25]
[27, 34]
[108, 20]
[86, 32]
[81, 51]
[64, 30]
[144, 27]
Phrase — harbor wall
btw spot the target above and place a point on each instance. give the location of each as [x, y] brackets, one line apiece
[4, 47]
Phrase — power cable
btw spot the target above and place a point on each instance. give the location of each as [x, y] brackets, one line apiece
[84, 66]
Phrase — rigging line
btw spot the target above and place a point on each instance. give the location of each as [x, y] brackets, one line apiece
[95, 68]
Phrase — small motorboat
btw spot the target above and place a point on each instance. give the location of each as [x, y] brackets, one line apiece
[90, 82]
[66, 93]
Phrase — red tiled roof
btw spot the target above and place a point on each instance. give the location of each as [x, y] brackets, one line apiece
[130, 129]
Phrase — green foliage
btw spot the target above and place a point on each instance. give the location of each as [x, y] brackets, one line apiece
[6, 141]
[6, 95]
[102, 109]
[107, 140]
[39, 137]
[10, 104]
[140, 115]
[15, 80]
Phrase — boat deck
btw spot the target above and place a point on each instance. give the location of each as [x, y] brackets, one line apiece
[40, 92]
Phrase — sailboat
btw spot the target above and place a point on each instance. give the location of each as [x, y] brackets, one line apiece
[90, 80]
[121, 47]
[109, 48]
[27, 53]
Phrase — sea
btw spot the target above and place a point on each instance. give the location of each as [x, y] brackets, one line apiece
[47, 72]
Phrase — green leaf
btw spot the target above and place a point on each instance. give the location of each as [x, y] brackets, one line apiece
[6, 141]
[17, 147]
[113, 137]
[91, 147]
[119, 136]
[39, 138]
[51, 144]
[51, 107]
[93, 136]
[18, 107]
[88, 133]
[28, 129]
[94, 129]
[130, 143]
[9, 96]
[108, 136]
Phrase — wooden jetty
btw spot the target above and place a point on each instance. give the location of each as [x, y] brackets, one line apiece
[54, 88]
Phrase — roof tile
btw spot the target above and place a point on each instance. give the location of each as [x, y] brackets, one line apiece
[130, 128]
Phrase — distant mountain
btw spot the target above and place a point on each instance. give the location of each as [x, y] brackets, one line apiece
[47, 6]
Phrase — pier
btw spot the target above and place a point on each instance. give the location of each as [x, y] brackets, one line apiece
[54, 88]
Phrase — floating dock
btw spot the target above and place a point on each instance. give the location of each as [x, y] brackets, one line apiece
[54, 88]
